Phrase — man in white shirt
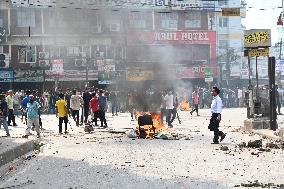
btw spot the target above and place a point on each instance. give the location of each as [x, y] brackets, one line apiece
[216, 110]
[169, 99]
[76, 103]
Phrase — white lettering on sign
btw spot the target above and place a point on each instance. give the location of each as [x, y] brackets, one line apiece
[198, 69]
[185, 36]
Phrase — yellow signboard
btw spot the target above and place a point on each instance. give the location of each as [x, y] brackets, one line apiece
[257, 38]
[139, 74]
[258, 52]
[231, 12]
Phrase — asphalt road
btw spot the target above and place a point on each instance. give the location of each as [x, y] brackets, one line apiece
[112, 160]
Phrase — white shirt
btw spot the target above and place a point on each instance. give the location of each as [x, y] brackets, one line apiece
[216, 105]
[169, 101]
[75, 102]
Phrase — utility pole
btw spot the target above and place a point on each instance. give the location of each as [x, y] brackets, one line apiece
[280, 45]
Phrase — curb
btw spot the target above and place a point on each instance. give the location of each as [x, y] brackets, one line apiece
[265, 135]
[16, 152]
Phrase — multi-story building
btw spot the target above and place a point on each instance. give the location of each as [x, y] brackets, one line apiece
[230, 33]
[167, 41]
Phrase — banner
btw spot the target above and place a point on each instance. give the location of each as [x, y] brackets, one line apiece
[106, 78]
[57, 66]
[257, 38]
[6, 76]
[139, 74]
[258, 52]
[244, 73]
[71, 75]
[28, 76]
[231, 11]
[279, 66]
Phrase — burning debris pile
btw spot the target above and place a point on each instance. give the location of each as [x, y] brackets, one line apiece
[184, 105]
[150, 126]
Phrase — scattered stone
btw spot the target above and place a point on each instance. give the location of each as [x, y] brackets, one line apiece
[242, 145]
[254, 153]
[268, 150]
[272, 145]
[255, 144]
[224, 148]
[256, 183]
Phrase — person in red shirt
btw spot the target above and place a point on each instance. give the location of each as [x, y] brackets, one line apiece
[195, 101]
[94, 106]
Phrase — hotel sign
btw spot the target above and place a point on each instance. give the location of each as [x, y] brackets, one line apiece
[182, 36]
[257, 38]
[173, 37]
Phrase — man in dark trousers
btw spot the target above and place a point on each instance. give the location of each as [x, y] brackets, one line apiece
[4, 113]
[86, 98]
[278, 100]
[216, 109]
[102, 101]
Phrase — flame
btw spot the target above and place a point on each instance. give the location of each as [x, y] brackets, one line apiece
[157, 124]
[184, 105]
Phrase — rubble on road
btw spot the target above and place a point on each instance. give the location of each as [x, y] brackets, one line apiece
[256, 183]
[255, 144]
[224, 148]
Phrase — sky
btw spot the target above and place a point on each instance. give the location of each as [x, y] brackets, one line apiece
[263, 14]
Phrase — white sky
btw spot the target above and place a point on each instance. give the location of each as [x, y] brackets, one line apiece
[264, 19]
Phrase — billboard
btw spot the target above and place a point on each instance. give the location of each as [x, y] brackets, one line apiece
[6, 76]
[257, 38]
[71, 75]
[138, 74]
[28, 75]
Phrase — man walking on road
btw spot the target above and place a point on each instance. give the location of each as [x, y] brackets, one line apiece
[102, 109]
[10, 103]
[195, 102]
[86, 98]
[3, 114]
[216, 109]
[32, 116]
[76, 104]
[171, 114]
[94, 107]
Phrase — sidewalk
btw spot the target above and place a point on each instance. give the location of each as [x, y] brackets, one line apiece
[15, 146]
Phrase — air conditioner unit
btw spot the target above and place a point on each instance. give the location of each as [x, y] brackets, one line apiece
[100, 54]
[115, 27]
[43, 55]
[4, 60]
[96, 29]
[44, 63]
[80, 62]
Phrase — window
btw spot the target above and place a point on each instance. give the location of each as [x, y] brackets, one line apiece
[137, 20]
[223, 22]
[73, 51]
[222, 2]
[26, 18]
[193, 20]
[169, 21]
[223, 44]
[27, 54]
[55, 52]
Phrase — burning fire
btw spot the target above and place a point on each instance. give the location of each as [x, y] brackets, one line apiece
[184, 105]
[149, 129]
